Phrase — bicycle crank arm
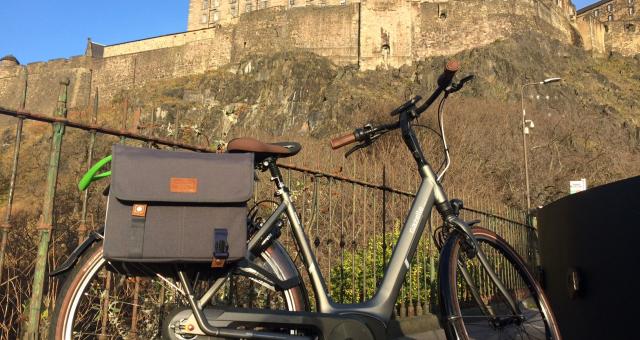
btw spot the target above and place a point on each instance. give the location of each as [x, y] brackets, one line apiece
[226, 321]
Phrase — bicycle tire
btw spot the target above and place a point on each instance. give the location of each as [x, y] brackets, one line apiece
[75, 297]
[461, 315]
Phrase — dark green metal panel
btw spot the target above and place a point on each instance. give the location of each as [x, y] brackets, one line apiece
[46, 220]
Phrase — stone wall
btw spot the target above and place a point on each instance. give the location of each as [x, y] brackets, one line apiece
[43, 81]
[373, 34]
[623, 37]
[387, 33]
[448, 28]
[592, 32]
[110, 75]
[327, 31]
[164, 41]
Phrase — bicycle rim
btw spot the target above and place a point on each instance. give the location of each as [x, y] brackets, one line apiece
[136, 307]
[491, 317]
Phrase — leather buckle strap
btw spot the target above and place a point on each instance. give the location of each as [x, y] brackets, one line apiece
[136, 235]
[220, 248]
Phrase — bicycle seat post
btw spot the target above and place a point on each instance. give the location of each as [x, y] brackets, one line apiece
[276, 175]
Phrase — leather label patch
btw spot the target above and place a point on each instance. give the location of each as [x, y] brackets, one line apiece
[139, 210]
[183, 185]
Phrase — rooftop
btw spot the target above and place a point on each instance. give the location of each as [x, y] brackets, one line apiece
[11, 58]
[592, 6]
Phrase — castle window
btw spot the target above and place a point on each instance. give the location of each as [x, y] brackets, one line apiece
[343, 2]
[204, 19]
[630, 28]
[233, 9]
[606, 28]
[205, 4]
[264, 4]
[216, 16]
[292, 2]
[609, 7]
[610, 17]
[631, 10]
[596, 13]
[216, 3]
[247, 6]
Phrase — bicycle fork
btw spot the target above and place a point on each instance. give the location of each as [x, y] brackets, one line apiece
[462, 226]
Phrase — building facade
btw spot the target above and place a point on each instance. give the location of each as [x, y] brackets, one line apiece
[210, 13]
[611, 25]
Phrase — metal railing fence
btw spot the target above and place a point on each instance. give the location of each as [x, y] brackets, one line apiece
[352, 218]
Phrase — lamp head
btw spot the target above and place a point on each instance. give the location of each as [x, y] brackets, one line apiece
[551, 80]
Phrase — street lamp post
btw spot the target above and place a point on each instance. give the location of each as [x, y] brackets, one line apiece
[526, 125]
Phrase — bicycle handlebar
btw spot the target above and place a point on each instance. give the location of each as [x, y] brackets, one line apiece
[450, 70]
[341, 141]
[365, 134]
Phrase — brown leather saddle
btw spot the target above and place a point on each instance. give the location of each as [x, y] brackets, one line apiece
[263, 150]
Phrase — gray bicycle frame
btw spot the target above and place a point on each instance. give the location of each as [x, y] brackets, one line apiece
[381, 305]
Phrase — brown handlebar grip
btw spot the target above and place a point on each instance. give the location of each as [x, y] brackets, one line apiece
[341, 141]
[445, 79]
[452, 66]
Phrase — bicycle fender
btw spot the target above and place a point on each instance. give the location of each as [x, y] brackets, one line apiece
[94, 236]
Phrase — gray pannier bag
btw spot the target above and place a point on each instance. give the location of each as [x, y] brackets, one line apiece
[172, 207]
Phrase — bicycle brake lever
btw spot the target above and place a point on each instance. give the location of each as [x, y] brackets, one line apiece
[455, 87]
[355, 148]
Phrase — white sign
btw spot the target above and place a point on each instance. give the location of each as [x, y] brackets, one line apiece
[577, 186]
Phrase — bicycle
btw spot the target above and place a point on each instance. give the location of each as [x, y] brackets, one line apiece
[275, 302]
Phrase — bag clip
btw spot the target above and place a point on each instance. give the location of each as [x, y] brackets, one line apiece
[220, 248]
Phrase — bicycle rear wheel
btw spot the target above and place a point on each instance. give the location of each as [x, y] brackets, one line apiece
[474, 308]
[95, 303]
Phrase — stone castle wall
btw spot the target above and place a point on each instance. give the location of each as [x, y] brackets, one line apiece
[592, 32]
[327, 31]
[623, 37]
[619, 22]
[372, 34]
[110, 75]
[451, 27]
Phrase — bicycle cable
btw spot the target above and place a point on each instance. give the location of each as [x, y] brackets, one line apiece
[447, 160]
[430, 129]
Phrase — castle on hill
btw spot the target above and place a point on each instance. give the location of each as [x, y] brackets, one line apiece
[366, 33]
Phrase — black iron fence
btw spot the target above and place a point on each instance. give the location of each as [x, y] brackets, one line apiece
[352, 223]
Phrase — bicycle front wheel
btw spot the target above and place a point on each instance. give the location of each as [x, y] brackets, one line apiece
[472, 305]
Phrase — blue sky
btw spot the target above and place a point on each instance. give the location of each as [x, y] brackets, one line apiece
[39, 30]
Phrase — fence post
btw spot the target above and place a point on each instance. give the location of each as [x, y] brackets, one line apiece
[384, 218]
[82, 231]
[125, 113]
[46, 220]
[6, 225]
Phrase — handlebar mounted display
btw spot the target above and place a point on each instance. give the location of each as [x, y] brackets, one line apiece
[405, 106]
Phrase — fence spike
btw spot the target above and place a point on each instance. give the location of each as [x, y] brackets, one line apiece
[82, 230]
[46, 220]
[6, 225]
